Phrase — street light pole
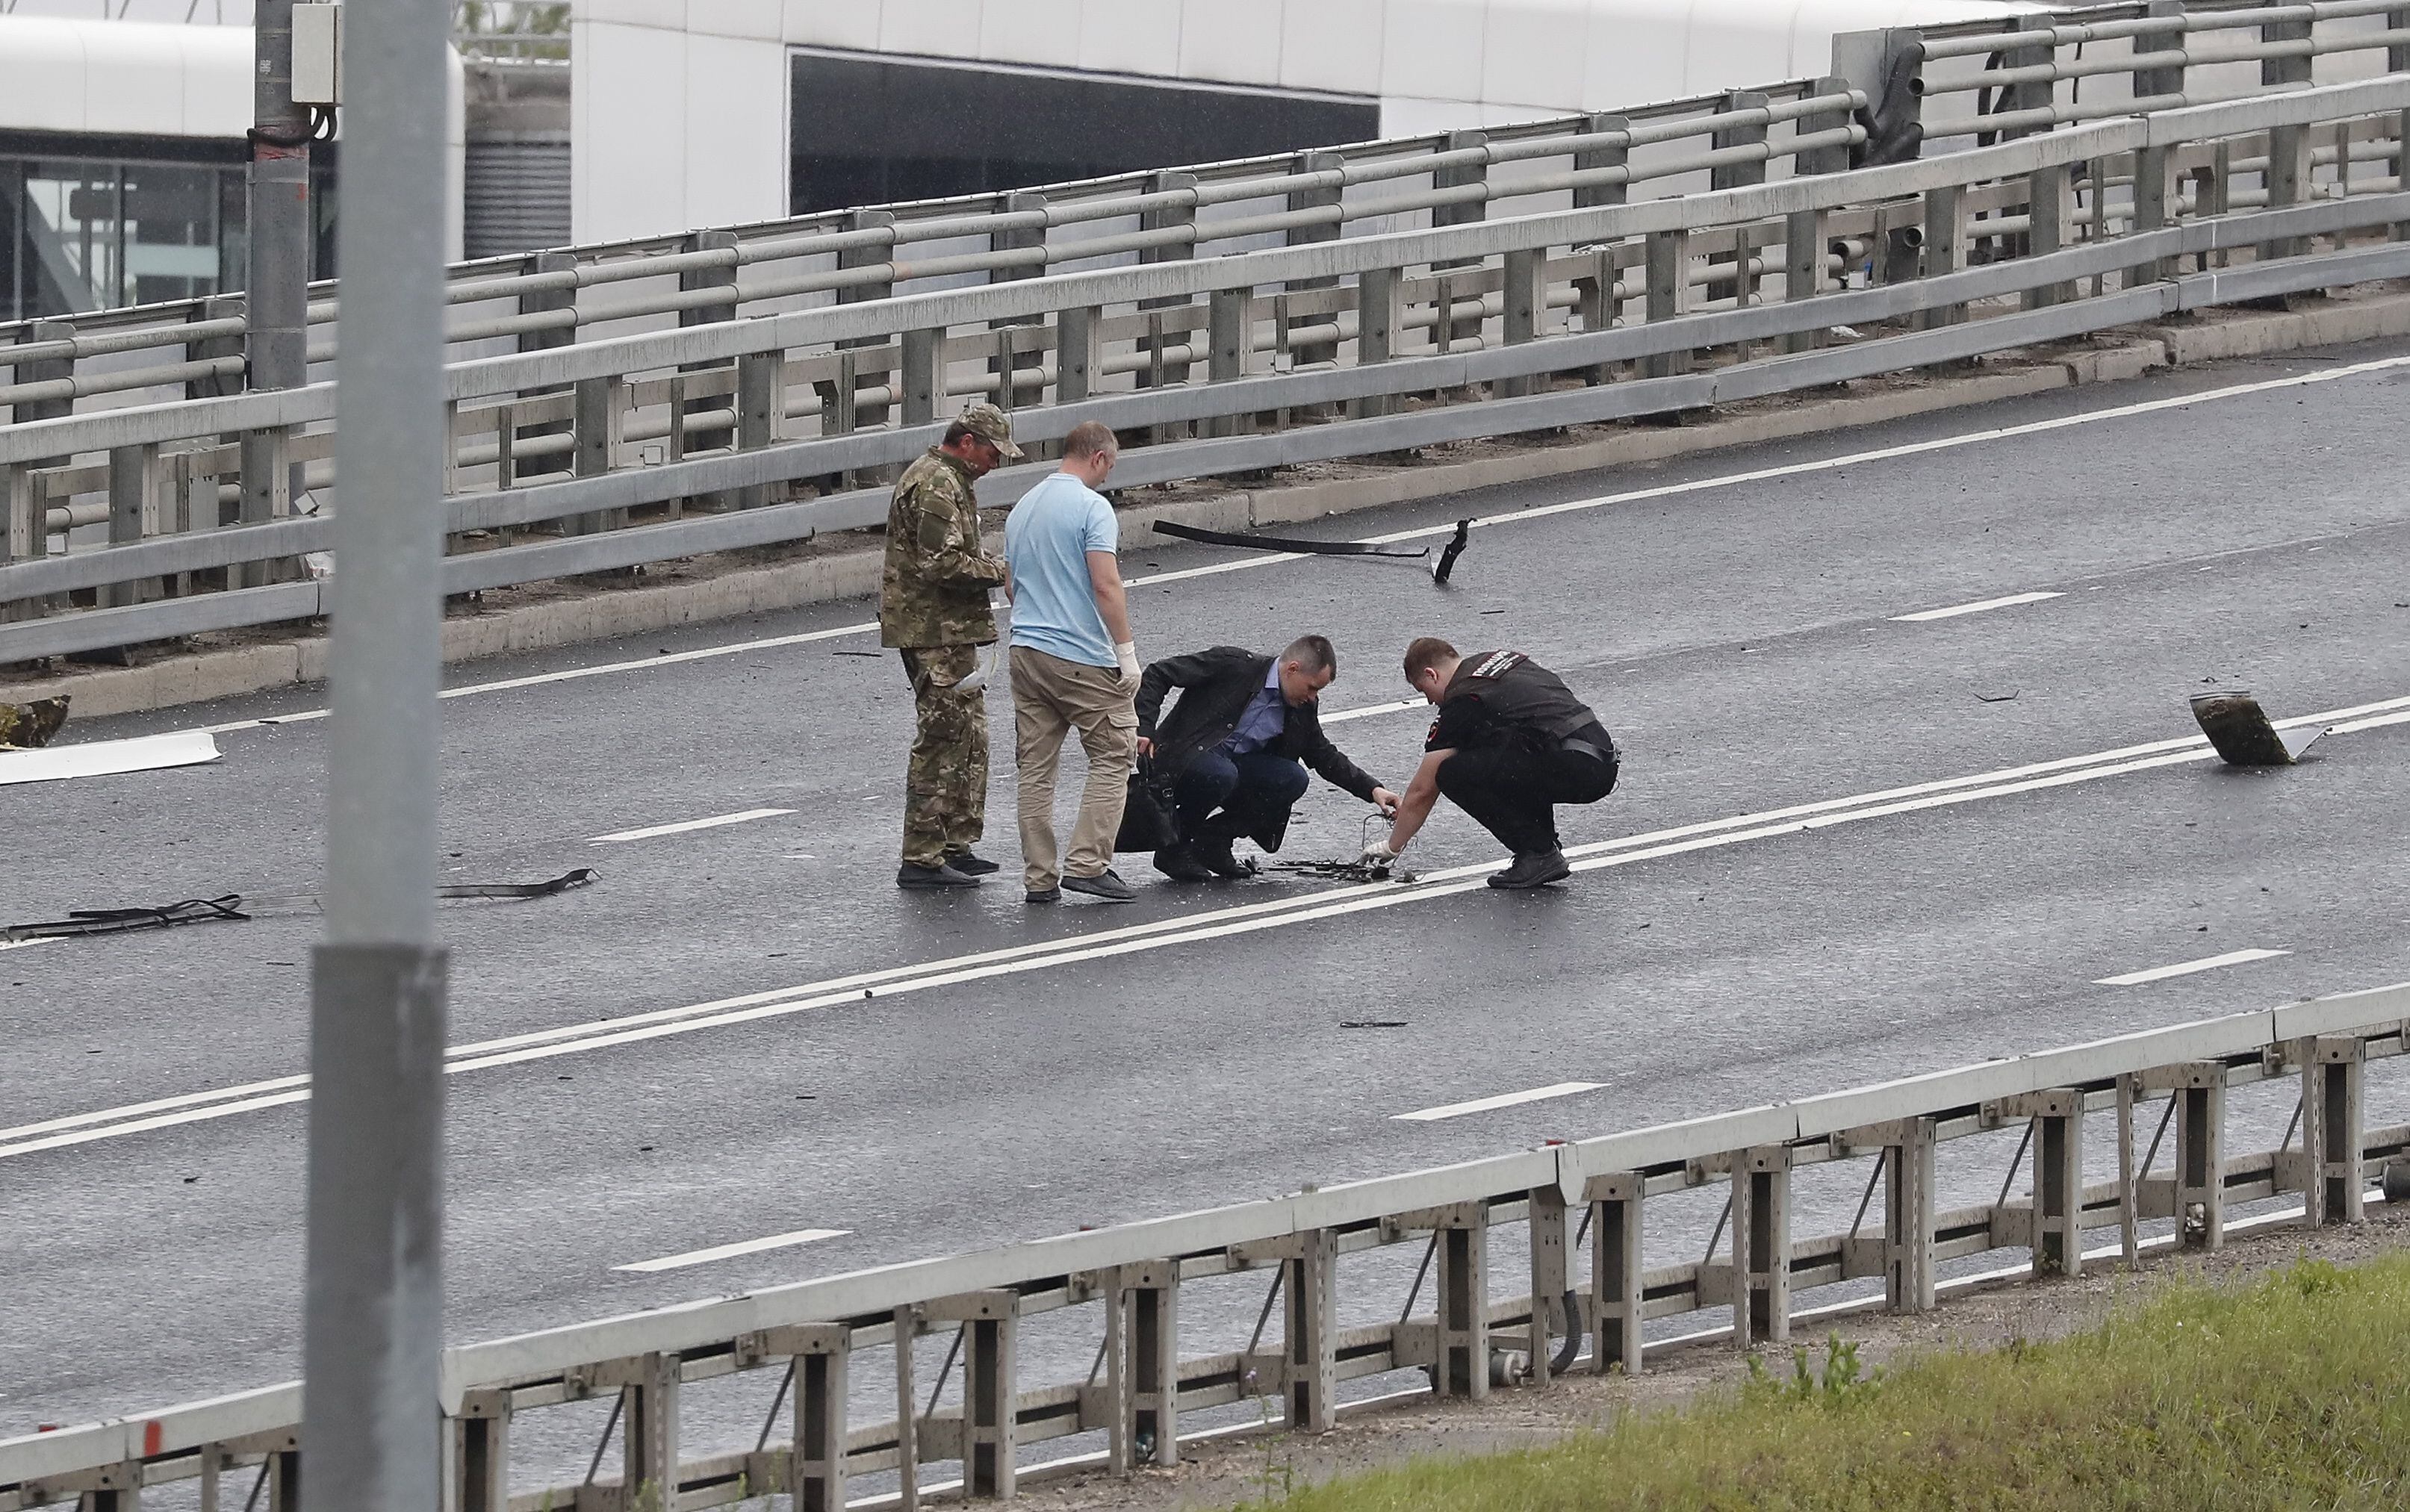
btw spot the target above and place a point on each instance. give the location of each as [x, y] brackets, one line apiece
[373, 1323]
[278, 231]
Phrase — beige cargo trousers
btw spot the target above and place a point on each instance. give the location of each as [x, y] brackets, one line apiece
[1051, 697]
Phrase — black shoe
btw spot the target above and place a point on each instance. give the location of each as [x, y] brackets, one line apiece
[1052, 895]
[931, 877]
[969, 865]
[1105, 885]
[1537, 869]
[1213, 854]
[1181, 865]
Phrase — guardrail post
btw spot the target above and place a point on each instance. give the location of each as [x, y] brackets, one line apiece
[2129, 1196]
[1153, 1292]
[267, 495]
[1908, 1218]
[1551, 1276]
[1760, 1236]
[1010, 364]
[42, 370]
[1944, 252]
[2333, 1075]
[215, 307]
[1460, 1364]
[1450, 330]
[1311, 1289]
[990, 1415]
[2057, 1237]
[1160, 370]
[922, 376]
[2397, 61]
[1742, 285]
[2288, 180]
[599, 423]
[1076, 360]
[1523, 305]
[1803, 271]
[21, 533]
[1604, 158]
[285, 1480]
[481, 1459]
[2039, 94]
[1226, 329]
[2048, 193]
[2169, 79]
[1318, 196]
[1669, 278]
[760, 411]
[689, 281]
[649, 1433]
[133, 514]
[2201, 1156]
[2154, 204]
[1380, 311]
[1615, 1284]
[816, 1472]
[1832, 159]
[908, 1411]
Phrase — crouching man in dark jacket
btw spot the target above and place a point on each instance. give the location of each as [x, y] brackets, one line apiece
[1235, 749]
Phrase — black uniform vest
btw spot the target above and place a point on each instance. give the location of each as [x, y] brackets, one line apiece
[1518, 691]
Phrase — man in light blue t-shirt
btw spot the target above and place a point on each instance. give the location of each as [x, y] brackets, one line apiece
[1074, 667]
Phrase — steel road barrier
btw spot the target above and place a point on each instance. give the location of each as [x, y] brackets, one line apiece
[813, 1340]
[638, 448]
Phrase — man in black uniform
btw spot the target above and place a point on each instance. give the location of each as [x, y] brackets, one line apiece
[1511, 742]
[1235, 750]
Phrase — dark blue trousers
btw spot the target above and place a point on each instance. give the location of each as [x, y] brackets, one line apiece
[1224, 796]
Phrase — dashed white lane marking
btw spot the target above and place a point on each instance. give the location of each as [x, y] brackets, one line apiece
[1504, 1100]
[1730, 480]
[1217, 923]
[712, 824]
[21, 944]
[1982, 606]
[2186, 969]
[730, 1252]
[1367, 710]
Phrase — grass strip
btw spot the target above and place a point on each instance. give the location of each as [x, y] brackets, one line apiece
[2292, 1391]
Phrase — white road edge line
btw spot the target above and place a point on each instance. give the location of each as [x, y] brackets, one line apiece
[730, 1252]
[619, 835]
[1981, 606]
[1504, 1100]
[1972, 438]
[2186, 969]
[1216, 924]
[21, 944]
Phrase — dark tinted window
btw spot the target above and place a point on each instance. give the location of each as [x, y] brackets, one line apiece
[869, 130]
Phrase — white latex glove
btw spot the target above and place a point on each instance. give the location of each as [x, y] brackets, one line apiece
[1378, 854]
[995, 658]
[1126, 652]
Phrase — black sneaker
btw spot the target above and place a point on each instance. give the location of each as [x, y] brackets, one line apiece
[971, 865]
[1214, 856]
[1537, 869]
[1179, 864]
[1052, 895]
[931, 877]
[1105, 885]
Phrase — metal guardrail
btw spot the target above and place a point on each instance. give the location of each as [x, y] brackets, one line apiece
[1671, 304]
[816, 1335]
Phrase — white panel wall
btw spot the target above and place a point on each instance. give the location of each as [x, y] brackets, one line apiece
[680, 105]
[131, 77]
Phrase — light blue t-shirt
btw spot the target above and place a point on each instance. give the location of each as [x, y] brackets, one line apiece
[1047, 539]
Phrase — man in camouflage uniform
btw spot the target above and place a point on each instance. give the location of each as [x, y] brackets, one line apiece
[933, 606]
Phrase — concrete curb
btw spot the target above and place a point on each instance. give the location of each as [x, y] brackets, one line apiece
[605, 614]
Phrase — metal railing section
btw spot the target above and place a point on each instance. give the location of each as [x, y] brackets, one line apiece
[814, 1337]
[670, 443]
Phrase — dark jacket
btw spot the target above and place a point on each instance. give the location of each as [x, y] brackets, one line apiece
[1216, 687]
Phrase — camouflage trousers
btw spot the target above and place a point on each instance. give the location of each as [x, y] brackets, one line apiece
[945, 794]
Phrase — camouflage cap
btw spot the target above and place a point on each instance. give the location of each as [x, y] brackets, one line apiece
[992, 426]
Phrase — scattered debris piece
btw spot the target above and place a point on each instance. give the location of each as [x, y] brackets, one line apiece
[858, 653]
[30, 726]
[1448, 553]
[2241, 731]
[1345, 871]
[1280, 543]
[236, 906]
[2009, 697]
[1372, 1023]
[104, 758]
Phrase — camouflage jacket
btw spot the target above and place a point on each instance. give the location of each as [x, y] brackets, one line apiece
[933, 590]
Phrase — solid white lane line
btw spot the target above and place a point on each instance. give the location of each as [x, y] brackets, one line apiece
[1367, 710]
[1483, 1105]
[1211, 924]
[2186, 969]
[1975, 438]
[1982, 606]
[21, 944]
[619, 837]
[729, 1252]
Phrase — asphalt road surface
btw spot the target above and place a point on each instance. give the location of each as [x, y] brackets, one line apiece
[685, 1057]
